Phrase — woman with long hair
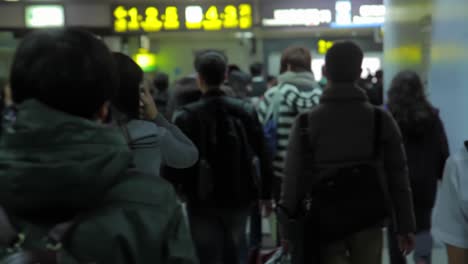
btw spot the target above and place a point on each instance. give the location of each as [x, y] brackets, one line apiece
[153, 140]
[427, 150]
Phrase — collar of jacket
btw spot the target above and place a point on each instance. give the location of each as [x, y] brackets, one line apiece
[299, 79]
[213, 92]
[344, 92]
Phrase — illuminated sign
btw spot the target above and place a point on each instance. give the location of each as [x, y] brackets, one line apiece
[323, 46]
[152, 18]
[43, 16]
[299, 17]
[338, 13]
[146, 60]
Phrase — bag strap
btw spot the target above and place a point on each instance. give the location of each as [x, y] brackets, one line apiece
[377, 134]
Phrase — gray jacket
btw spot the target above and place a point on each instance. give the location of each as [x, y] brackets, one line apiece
[341, 129]
[160, 143]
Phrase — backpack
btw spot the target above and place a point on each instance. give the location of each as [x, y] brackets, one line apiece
[228, 169]
[340, 199]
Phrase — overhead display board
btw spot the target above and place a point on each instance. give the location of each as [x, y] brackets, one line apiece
[154, 17]
[322, 13]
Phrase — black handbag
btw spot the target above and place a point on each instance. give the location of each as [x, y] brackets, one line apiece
[345, 198]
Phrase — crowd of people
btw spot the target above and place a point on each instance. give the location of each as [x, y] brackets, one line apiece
[99, 165]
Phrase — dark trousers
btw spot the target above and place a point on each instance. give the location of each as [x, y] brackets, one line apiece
[219, 236]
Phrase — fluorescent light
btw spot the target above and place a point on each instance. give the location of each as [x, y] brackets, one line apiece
[38, 16]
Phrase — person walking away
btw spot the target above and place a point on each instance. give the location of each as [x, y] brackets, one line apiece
[449, 222]
[296, 92]
[331, 139]
[259, 84]
[161, 92]
[60, 164]
[153, 140]
[376, 94]
[427, 150]
[227, 179]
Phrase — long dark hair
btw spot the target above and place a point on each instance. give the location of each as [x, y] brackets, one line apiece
[127, 99]
[409, 104]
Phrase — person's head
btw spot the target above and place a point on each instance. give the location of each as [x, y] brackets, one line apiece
[406, 88]
[256, 69]
[233, 68]
[407, 100]
[239, 82]
[161, 81]
[127, 97]
[296, 59]
[343, 62]
[211, 69]
[272, 81]
[379, 76]
[67, 69]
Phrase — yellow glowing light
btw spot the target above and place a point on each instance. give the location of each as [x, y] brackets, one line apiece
[212, 21]
[213, 18]
[152, 22]
[323, 46]
[245, 11]
[406, 54]
[146, 60]
[172, 18]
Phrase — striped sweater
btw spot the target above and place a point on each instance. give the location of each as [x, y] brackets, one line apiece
[300, 93]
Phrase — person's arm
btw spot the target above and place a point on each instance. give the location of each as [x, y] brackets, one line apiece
[396, 171]
[260, 147]
[449, 224]
[177, 150]
[444, 147]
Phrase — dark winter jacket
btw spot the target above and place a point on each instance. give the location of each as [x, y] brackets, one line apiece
[56, 168]
[427, 150]
[189, 122]
[340, 130]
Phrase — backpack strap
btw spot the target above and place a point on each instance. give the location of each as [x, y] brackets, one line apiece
[377, 134]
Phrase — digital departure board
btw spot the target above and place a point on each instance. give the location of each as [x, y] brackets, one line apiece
[155, 18]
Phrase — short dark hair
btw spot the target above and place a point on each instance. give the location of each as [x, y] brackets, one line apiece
[298, 58]
[256, 69]
[161, 81]
[211, 67]
[127, 98]
[67, 69]
[343, 62]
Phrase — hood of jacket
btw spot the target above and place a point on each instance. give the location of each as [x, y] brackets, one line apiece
[302, 80]
[53, 162]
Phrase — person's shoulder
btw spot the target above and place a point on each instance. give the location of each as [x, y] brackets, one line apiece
[144, 130]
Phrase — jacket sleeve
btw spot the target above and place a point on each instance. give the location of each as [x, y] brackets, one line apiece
[182, 178]
[261, 149]
[396, 171]
[444, 147]
[178, 151]
[293, 173]
[180, 247]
